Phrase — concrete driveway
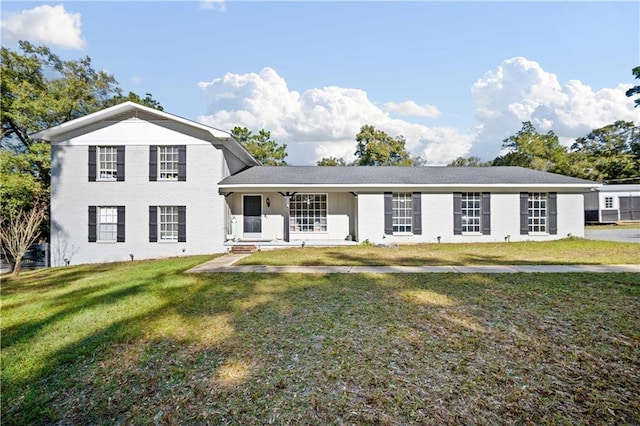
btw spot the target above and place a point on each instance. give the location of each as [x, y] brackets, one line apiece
[627, 235]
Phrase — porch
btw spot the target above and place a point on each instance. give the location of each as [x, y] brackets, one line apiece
[276, 244]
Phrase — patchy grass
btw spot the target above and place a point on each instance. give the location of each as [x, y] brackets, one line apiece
[141, 342]
[572, 251]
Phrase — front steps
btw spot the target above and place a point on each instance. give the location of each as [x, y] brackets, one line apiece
[243, 249]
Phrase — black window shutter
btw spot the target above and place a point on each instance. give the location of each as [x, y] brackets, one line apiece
[153, 224]
[153, 163]
[485, 208]
[457, 213]
[93, 219]
[182, 224]
[553, 213]
[417, 213]
[524, 213]
[92, 164]
[388, 213]
[182, 163]
[120, 163]
[120, 235]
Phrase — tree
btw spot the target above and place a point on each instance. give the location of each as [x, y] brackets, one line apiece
[609, 153]
[635, 90]
[377, 148]
[19, 230]
[469, 162]
[331, 161]
[261, 147]
[40, 90]
[533, 150]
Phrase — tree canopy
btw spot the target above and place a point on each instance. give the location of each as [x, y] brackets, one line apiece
[609, 153]
[261, 146]
[530, 149]
[331, 161]
[469, 162]
[377, 148]
[635, 90]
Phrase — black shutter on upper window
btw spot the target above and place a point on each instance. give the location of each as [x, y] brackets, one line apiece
[553, 213]
[93, 222]
[485, 208]
[92, 164]
[182, 163]
[121, 219]
[182, 224]
[457, 213]
[388, 213]
[153, 163]
[120, 163]
[153, 224]
[524, 213]
[417, 213]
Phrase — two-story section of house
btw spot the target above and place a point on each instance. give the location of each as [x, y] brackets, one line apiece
[134, 182]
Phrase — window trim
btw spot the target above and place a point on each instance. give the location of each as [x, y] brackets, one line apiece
[161, 223]
[542, 229]
[408, 213]
[174, 161]
[464, 198]
[113, 151]
[100, 223]
[292, 225]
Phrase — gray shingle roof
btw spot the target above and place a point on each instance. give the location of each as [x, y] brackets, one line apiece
[316, 175]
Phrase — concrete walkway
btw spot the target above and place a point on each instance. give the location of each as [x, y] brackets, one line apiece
[225, 264]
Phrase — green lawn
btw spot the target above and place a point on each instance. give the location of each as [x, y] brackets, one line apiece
[566, 252]
[141, 342]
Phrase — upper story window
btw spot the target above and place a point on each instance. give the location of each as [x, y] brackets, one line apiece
[308, 213]
[608, 202]
[537, 212]
[402, 212]
[107, 163]
[471, 212]
[168, 161]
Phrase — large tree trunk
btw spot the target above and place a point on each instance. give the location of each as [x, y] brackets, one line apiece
[17, 266]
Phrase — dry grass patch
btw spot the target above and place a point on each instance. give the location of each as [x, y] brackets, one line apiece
[321, 349]
[562, 252]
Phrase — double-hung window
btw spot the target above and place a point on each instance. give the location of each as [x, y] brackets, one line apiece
[106, 224]
[308, 213]
[168, 223]
[537, 212]
[168, 162]
[471, 212]
[107, 163]
[402, 212]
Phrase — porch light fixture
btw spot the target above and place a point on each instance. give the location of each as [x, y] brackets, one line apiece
[268, 202]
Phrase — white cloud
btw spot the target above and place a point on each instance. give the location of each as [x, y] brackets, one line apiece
[410, 108]
[136, 79]
[520, 90]
[213, 5]
[322, 122]
[49, 25]
[319, 122]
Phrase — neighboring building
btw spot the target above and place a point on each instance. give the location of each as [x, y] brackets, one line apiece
[133, 181]
[612, 203]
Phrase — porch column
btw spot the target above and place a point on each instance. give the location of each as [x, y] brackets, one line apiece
[287, 202]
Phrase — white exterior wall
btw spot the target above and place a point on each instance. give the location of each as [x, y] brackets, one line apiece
[437, 219]
[340, 216]
[72, 193]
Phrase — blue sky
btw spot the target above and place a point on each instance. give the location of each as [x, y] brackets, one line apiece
[455, 78]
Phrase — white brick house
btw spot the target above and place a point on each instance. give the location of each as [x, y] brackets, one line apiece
[133, 181]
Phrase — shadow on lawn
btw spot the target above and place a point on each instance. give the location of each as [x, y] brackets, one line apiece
[344, 348]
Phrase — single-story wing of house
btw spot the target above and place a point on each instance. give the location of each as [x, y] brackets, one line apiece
[613, 203]
[131, 182]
